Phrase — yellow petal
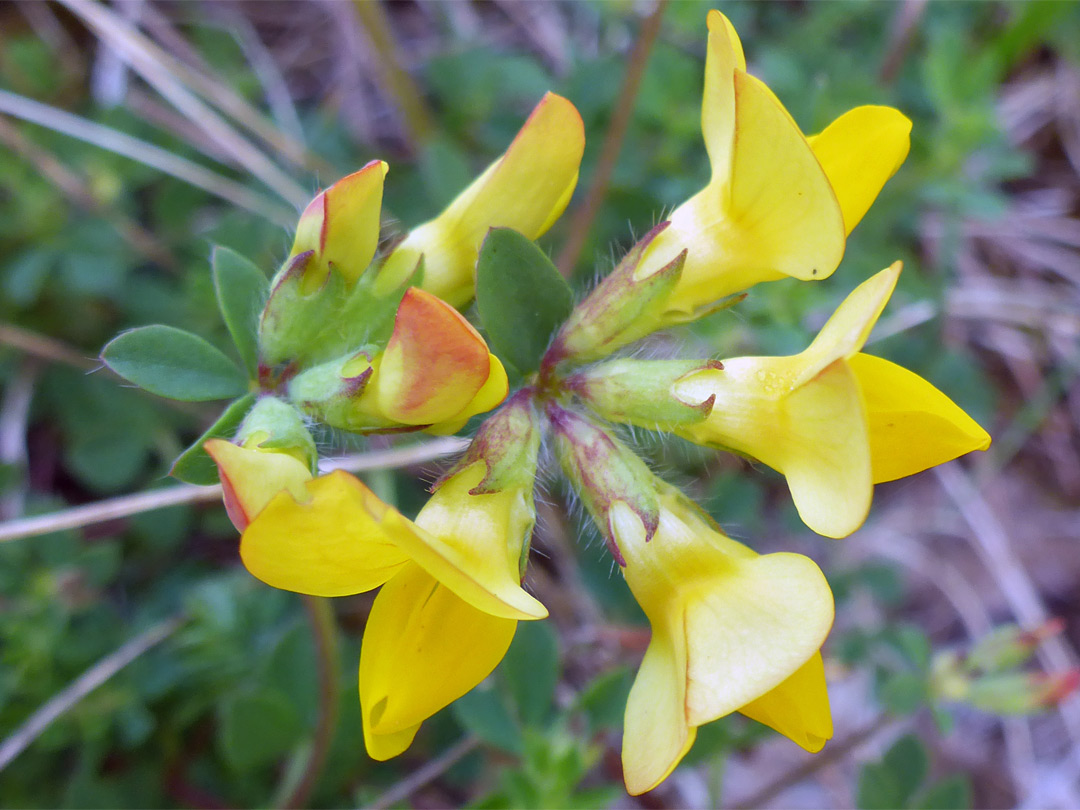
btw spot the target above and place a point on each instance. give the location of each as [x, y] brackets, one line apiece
[250, 478]
[723, 57]
[728, 626]
[434, 364]
[859, 152]
[472, 544]
[850, 325]
[342, 224]
[814, 433]
[423, 648]
[773, 215]
[526, 189]
[913, 426]
[656, 735]
[798, 708]
[491, 393]
[749, 626]
[333, 543]
[382, 747]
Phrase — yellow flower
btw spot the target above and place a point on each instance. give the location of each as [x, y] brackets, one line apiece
[833, 420]
[453, 594]
[778, 203]
[731, 631]
[526, 189]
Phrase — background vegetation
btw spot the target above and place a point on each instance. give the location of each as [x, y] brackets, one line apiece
[208, 123]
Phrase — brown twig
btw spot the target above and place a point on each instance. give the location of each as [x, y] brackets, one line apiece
[834, 753]
[421, 776]
[321, 617]
[583, 217]
[396, 82]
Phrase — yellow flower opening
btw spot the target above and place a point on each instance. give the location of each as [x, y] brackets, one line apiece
[778, 204]
[731, 630]
[832, 420]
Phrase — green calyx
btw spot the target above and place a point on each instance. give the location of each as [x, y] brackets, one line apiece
[640, 392]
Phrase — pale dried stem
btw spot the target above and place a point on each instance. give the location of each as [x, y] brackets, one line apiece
[584, 215]
[128, 505]
[82, 686]
[120, 143]
[154, 66]
[14, 415]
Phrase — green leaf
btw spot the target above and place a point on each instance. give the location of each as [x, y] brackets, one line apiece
[241, 290]
[903, 693]
[877, 789]
[951, 793]
[521, 297]
[194, 465]
[530, 671]
[257, 728]
[483, 712]
[908, 762]
[173, 363]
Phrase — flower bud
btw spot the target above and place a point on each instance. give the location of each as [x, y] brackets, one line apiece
[620, 310]
[604, 472]
[321, 302]
[340, 227]
[434, 373]
[1009, 646]
[1022, 692]
[273, 451]
[274, 425]
[642, 392]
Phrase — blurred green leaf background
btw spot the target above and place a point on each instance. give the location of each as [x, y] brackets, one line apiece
[228, 708]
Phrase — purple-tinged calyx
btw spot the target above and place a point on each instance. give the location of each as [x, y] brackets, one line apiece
[508, 443]
[619, 310]
[604, 472]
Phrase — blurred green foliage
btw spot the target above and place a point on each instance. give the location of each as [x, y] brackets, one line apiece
[224, 712]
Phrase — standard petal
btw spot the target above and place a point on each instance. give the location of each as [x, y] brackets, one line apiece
[423, 648]
[773, 215]
[335, 542]
[491, 394]
[472, 544]
[798, 708]
[434, 363]
[749, 627]
[850, 325]
[250, 478]
[723, 57]
[656, 734]
[913, 426]
[859, 152]
[526, 189]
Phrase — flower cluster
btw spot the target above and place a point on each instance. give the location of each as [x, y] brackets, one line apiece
[365, 340]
